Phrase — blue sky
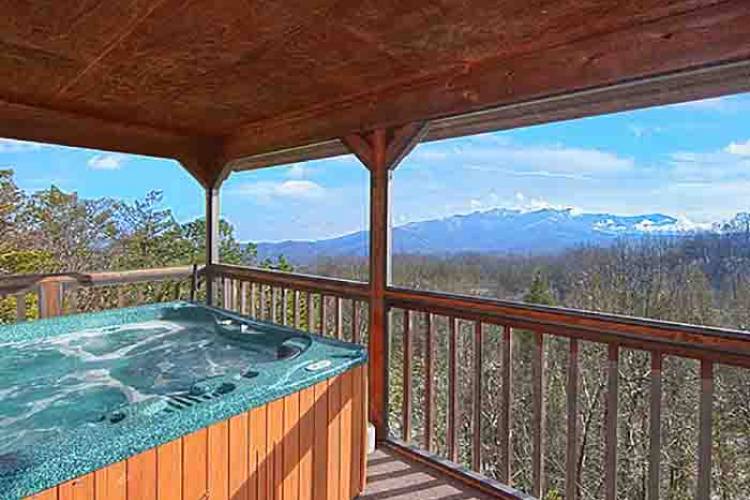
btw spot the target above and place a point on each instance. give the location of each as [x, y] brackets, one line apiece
[689, 160]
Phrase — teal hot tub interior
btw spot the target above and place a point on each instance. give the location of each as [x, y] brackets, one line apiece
[80, 392]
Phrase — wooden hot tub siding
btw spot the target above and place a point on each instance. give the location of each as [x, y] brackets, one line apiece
[308, 445]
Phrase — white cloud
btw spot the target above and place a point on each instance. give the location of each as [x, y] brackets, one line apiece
[547, 161]
[640, 131]
[739, 148]
[297, 171]
[106, 162]
[14, 146]
[291, 189]
[531, 204]
[731, 163]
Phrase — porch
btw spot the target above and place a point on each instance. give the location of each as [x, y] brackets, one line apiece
[228, 86]
[436, 460]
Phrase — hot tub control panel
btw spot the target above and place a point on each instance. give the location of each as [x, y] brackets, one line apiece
[318, 365]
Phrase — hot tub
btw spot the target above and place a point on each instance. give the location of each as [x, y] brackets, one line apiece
[180, 401]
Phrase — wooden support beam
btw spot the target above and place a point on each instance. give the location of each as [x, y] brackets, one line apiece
[31, 123]
[212, 241]
[211, 169]
[380, 151]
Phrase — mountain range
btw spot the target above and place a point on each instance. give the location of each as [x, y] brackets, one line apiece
[544, 231]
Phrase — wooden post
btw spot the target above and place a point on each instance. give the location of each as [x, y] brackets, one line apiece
[212, 241]
[380, 278]
[381, 151]
[50, 298]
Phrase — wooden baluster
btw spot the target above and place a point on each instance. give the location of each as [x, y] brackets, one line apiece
[20, 307]
[310, 311]
[408, 353]
[538, 415]
[339, 317]
[610, 424]
[505, 404]
[227, 298]
[295, 298]
[243, 298]
[262, 314]
[571, 462]
[654, 454]
[452, 392]
[323, 314]
[121, 297]
[355, 321]
[284, 306]
[177, 290]
[704, 435]
[478, 364]
[429, 427]
[253, 298]
[274, 305]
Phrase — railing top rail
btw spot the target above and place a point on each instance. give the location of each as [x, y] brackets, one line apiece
[721, 344]
[19, 283]
[332, 286]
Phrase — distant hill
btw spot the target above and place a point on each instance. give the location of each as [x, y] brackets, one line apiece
[504, 231]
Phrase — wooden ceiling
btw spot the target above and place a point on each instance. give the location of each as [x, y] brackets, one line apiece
[210, 81]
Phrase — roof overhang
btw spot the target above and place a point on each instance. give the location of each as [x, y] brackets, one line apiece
[231, 84]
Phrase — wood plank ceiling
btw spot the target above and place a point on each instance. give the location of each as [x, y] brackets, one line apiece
[206, 81]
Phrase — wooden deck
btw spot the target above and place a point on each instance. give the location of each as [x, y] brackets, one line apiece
[391, 477]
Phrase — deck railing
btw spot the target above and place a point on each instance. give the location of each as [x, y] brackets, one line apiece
[329, 307]
[429, 321]
[439, 319]
[709, 346]
[46, 295]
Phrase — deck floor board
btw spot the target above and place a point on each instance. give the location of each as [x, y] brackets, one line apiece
[391, 477]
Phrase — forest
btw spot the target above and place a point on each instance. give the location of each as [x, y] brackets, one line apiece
[700, 278]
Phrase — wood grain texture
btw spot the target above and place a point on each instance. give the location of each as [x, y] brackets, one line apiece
[141, 480]
[275, 449]
[258, 462]
[195, 465]
[306, 437]
[239, 455]
[81, 488]
[345, 440]
[687, 37]
[218, 461]
[145, 77]
[333, 477]
[305, 446]
[169, 466]
[290, 474]
[320, 442]
[716, 344]
[50, 494]
[111, 482]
